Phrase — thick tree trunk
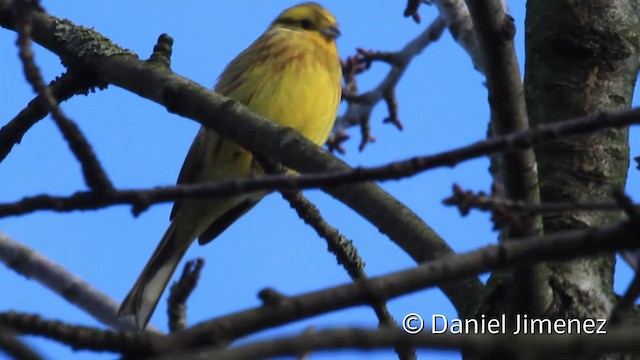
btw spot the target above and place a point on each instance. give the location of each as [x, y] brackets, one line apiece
[581, 58]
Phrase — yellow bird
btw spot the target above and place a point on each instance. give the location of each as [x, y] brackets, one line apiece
[292, 75]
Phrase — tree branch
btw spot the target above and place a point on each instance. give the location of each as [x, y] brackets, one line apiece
[141, 199]
[95, 177]
[556, 247]
[69, 84]
[555, 346]
[12, 346]
[360, 106]
[559, 246]
[33, 265]
[495, 30]
[180, 292]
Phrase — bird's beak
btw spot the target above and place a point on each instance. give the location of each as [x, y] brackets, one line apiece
[330, 32]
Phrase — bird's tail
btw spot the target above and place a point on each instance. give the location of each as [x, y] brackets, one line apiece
[138, 305]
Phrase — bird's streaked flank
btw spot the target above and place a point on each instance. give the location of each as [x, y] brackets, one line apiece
[291, 75]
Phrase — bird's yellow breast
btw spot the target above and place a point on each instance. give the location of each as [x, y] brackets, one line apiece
[290, 77]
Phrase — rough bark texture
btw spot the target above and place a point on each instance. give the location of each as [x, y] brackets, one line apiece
[582, 58]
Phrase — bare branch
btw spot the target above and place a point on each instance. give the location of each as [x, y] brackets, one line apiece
[77, 337]
[488, 345]
[33, 265]
[626, 302]
[142, 199]
[95, 177]
[12, 346]
[180, 292]
[62, 88]
[556, 247]
[412, 10]
[467, 200]
[458, 20]
[360, 106]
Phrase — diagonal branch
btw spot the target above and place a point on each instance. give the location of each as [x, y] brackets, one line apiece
[33, 265]
[69, 84]
[11, 345]
[95, 177]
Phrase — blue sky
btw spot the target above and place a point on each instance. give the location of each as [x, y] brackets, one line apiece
[442, 104]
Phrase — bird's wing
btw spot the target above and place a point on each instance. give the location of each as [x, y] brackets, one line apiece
[191, 171]
[223, 222]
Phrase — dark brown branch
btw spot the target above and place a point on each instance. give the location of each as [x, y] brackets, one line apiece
[412, 10]
[626, 302]
[142, 199]
[574, 346]
[62, 88]
[347, 256]
[556, 247]
[16, 349]
[77, 337]
[94, 175]
[180, 292]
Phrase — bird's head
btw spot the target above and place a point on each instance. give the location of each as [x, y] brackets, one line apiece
[310, 17]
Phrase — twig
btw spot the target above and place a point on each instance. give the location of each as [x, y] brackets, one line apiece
[12, 346]
[307, 354]
[412, 10]
[33, 265]
[180, 292]
[343, 248]
[77, 337]
[94, 175]
[467, 200]
[360, 106]
[626, 302]
[62, 88]
[142, 199]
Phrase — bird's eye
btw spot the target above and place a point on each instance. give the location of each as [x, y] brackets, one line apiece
[306, 24]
